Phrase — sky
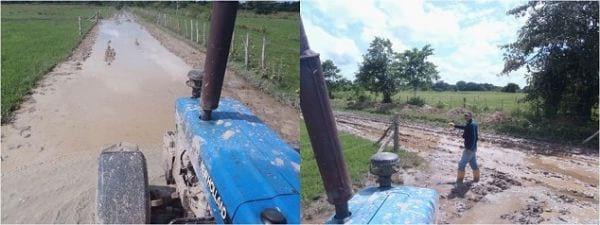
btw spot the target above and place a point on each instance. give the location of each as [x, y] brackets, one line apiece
[465, 35]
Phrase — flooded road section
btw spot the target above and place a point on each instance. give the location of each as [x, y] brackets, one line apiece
[124, 91]
[518, 184]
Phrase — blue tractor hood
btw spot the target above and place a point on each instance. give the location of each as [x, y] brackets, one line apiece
[393, 205]
[243, 165]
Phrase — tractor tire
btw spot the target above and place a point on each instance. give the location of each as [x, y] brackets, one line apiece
[123, 194]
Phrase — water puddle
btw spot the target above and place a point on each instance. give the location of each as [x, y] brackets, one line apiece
[551, 165]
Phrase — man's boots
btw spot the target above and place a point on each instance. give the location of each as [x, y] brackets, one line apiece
[476, 175]
[460, 176]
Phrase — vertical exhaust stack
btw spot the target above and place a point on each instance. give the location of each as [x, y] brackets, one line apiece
[221, 29]
[316, 109]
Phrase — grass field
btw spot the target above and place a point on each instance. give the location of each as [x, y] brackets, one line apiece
[357, 153]
[489, 100]
[35, 37]
[280, 75]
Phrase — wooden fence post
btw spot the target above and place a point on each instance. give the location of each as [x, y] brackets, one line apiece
[79, 26]
[262, 55]
[204, 34]
[232, 48]
[191, 30]
[246, 52]
[396, 132]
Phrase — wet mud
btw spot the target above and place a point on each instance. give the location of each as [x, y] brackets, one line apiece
[523, 181]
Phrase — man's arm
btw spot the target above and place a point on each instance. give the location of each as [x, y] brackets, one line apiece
[456, 126]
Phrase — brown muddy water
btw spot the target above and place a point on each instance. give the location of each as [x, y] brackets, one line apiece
[518, 184]
[124, 91]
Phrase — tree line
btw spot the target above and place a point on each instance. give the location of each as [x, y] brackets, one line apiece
[384, 71]
[473, 86]
[336, 82]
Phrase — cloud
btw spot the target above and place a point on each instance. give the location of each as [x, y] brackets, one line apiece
[342, 50]
[465, 35]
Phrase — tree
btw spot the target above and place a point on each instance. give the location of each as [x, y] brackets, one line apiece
[511, 88]
[331, 74]
[461, 85]
[343, 84]
[558, 45]
[441, 86]
[376, 72]
[416, 69]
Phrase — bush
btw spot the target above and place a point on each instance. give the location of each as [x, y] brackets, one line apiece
[440, 105]
[416, 101]
[517, 112]
[362, 98]
[474, 108]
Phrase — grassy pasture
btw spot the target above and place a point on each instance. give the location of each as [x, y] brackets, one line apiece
[35, 37]
[490, 100]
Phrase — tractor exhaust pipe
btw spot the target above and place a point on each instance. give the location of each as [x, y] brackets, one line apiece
[221, 29]
[316, 109]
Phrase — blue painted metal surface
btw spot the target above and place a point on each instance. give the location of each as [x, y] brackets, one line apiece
[243, 165]
[395, 205]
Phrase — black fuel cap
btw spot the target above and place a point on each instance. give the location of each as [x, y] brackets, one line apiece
[272, 216]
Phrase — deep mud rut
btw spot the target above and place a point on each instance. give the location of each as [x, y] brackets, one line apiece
[101, 96]
[523, 181]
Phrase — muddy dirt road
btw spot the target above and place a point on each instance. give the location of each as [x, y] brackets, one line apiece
[522, 181]
[119, 85]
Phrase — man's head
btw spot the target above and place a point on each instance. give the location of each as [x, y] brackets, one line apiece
[468, 116]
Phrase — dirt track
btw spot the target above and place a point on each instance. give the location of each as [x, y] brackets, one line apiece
[119, 85]
[522, 181]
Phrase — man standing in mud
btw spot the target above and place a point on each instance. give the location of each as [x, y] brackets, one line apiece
[470, 135]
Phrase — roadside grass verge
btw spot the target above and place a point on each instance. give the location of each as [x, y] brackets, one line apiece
[357, 153]
[35, 37]
[280, 75]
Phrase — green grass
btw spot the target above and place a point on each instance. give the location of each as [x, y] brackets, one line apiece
[490, 100]
[357, 153]
[35, 37]
[280, 77]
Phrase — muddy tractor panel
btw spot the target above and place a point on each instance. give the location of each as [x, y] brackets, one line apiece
[245, 168]
[395, 205]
